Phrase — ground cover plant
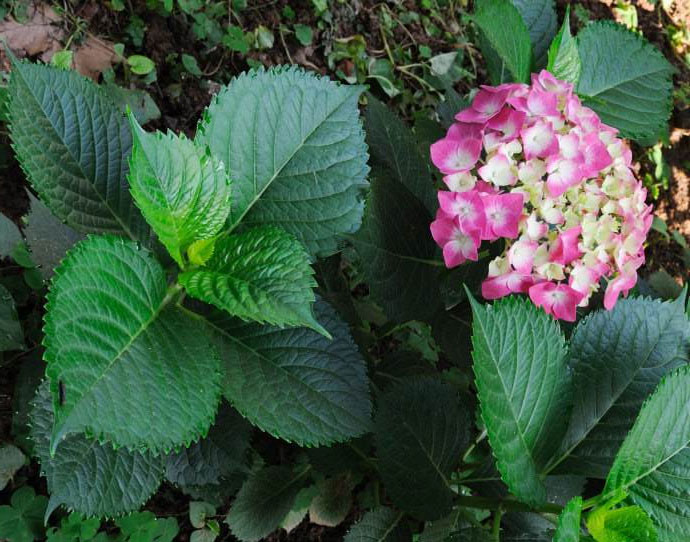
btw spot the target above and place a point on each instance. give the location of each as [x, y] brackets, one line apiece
[308, 313]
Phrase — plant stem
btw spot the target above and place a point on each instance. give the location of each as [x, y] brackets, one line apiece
[481, 437]
[485, 503]
[496, 527]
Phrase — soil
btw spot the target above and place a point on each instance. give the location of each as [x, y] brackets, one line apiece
[182, 99]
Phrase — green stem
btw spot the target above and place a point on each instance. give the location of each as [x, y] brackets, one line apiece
[496, 527]
[485, 503]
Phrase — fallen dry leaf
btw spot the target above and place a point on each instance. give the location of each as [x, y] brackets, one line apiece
[39, 35]
[94, 57]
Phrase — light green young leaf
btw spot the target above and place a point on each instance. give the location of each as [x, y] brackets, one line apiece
[73, 143]
[568, 529]
[263, 502]
[380, 525]
[182, 191]
[304, 34]
[627, 524]
[11, 334]
[617, 359]
[541, 21]
[505, 41]
[294, 146]
[119, 356]
[653, 464]
[625, 79]
[93, 479]
[294, 383]
[564, 59]
[524, 389]
[418, 447]
[262, 274]
[140, 64]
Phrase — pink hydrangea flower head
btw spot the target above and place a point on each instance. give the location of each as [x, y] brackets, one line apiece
[531, 165]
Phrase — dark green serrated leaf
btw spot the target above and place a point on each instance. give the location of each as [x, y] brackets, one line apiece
[617, 358]
[262, 274]
[399, 255]
[91, 478]
[564, 58]
[505, 41]
[661, 434]
[182, 191]
[421, 431]
[119, 357]
[47, 237]
[294, 146]
[625, 79]
[263, 502]
[295, 383]
[394, 147]
[524, 389]
[541, 21]
[380, 525]
[11, 334]
[73, 143]
[568, 529]
[216, 456]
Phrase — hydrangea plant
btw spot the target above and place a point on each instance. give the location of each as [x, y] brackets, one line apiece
[200, 326]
